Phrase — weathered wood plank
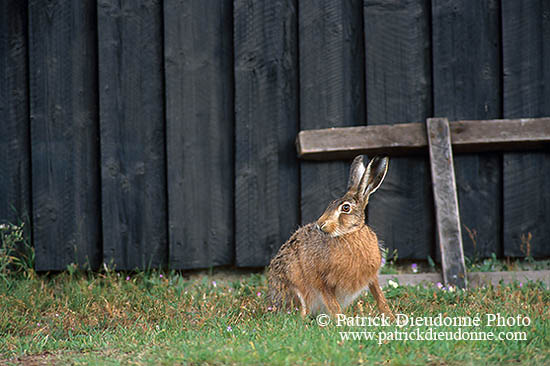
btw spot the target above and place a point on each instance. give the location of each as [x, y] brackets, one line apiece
[15, 183]
[447, 215]
[132, 134]
[344, 143]
[467, 85]
[526, 176]
[331, 90]
[199, 123]
[475, 279]
[478, 279]
[266, 123]
[410, 138]
[64, 133]
[411, 279]
[398, 89]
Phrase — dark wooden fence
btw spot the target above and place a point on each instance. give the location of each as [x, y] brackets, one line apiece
[161, 133]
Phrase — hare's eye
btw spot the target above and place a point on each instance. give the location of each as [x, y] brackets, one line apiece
[346, 207]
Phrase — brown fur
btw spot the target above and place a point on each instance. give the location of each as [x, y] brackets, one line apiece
[325, 264]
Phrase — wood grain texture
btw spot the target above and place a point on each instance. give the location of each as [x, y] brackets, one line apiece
[266, 124]
[199, 123]
[15, 183]
[526, 176]
[331, 90]
[448, 219]
[410, 138]
[467, 85]
[398, 89]
[64, 133]
[132, 127]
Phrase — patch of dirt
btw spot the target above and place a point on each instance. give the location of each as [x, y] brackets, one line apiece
[46, 358]
[221, 275]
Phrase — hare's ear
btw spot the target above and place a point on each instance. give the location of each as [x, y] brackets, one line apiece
[373, 177]
[356, 173]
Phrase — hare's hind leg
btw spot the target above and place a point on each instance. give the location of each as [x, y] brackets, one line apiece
[304, 310]
[331, 303]
[381, 302]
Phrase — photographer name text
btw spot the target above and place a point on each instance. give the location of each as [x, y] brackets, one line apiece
[403, 320]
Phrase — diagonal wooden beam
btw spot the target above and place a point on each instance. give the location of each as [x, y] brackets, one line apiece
[449, 235]
[410, 138]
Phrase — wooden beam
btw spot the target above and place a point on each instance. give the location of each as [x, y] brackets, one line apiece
[446, 202]
[410, 138]
[475, 279]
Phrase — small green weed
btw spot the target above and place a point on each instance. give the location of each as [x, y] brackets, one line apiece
[16, 253]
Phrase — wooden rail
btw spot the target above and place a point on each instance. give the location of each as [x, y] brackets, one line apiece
[475, 279]
[409, 138]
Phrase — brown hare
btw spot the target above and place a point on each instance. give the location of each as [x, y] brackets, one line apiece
[325, 265]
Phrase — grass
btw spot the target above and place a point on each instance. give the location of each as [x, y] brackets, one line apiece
[143, 318]
[82, 317]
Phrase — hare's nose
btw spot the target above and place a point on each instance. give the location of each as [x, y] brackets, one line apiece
[321, 226]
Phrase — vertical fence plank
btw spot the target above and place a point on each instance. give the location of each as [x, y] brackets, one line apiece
[398, 89]
[199, 115]
[526, 63]
[14, 109]
[64, 133]
[331, 90]
[466, 82]
[266, 123]
[132, 125]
